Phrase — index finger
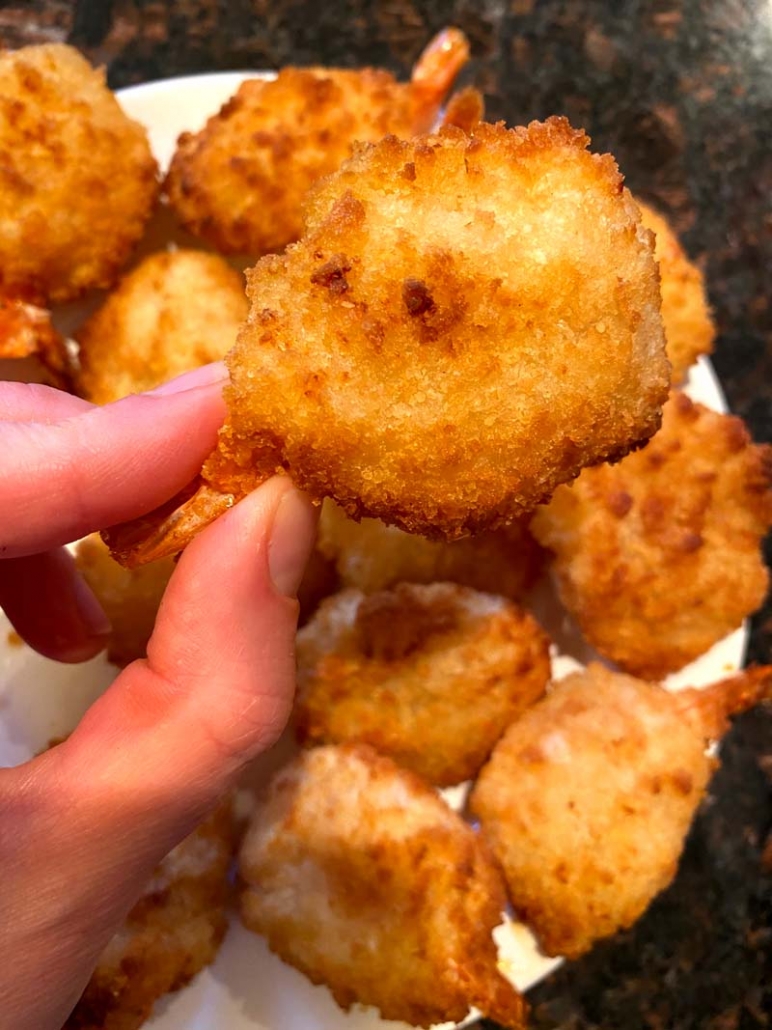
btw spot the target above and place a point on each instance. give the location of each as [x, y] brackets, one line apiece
[67, 478]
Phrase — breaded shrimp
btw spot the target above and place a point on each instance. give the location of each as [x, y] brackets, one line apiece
[360, 876]
[466, 324]
[429, 675]
[240, 183]
[174, 930]
[77, 179]
[689, 329]
[26, 331]
[370, 556]
[129, 597]
[175, 311]
[588, 797]
[658, 557]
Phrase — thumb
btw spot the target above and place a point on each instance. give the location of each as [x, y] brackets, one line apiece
[219, 679]
[86, 822]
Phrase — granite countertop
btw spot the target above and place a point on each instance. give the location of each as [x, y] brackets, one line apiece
[681, 93]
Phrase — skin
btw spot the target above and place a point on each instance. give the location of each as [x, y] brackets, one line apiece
[84, 824]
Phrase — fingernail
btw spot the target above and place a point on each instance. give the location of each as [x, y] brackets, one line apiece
[207, 375]
[292, 539]
[90, 612]
[88, 630]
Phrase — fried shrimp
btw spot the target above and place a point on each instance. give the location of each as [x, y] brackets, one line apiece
[658, 557]
[174, 930]
[466, 323]
[173, 312]
[77, 180]
[26, 332]
[240, 183]
[130, 597]
[370, 556]
[588, 797]
[360, 876]
[689, 329]
[429, 675]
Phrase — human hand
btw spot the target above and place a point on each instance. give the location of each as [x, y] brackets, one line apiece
[83, 825]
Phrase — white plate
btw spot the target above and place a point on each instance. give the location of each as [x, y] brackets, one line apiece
[248, 988]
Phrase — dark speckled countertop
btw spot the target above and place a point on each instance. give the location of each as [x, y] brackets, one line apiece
[680, 91]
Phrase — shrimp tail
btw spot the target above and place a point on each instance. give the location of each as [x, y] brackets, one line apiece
[169, 528]
[714, 707]
[465, 110]
[435, 72]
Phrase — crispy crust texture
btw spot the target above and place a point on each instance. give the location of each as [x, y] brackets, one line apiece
[466, 324]
[130, 598]
[689, 329]
[659, 557]
[175, 930]
[362, 878]
[173, 312]
[429, 675]
[370, 556]
[586, 802]
[242, 181]
[78, 181]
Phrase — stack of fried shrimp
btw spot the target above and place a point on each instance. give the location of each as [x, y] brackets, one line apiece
[467, 325]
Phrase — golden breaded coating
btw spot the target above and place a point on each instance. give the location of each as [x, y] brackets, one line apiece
[26, 331]
[241, 182]
[77, 177]
[427, 674]
[467, 323]
[174, 930]
[129, 597]
[360, 876]
[658, 557]
[370, 556]
[480, 357]
[586, 802]
[689, 329]
[173, 312]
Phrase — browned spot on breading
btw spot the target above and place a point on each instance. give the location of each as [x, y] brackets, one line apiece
[619, 503]
[418, 300]
[332, 274]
